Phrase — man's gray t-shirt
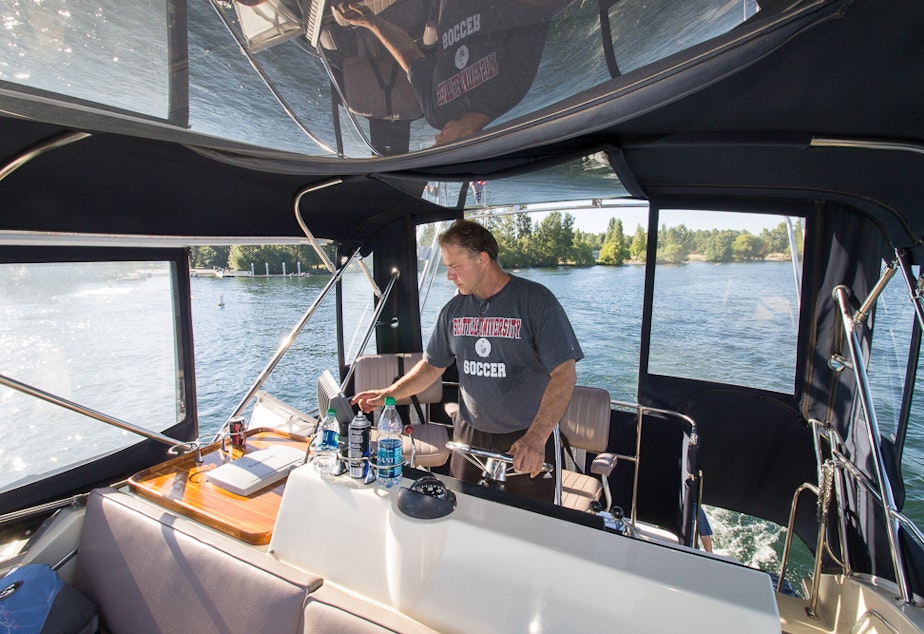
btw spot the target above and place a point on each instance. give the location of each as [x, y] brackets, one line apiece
[504, 347]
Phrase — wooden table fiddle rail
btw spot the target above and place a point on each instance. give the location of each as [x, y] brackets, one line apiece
[180, 485]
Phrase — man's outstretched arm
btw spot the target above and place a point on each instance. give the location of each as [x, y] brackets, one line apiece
[395, 39]
[420, 377]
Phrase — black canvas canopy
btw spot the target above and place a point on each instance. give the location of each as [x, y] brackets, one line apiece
[814, 107]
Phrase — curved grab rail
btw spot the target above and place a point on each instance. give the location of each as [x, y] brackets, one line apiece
[53, 143]
[641, 410]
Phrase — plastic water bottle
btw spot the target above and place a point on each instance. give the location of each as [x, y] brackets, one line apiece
[326, 459]
[389, 455]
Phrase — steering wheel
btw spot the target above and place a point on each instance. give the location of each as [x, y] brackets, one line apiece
[495, 467]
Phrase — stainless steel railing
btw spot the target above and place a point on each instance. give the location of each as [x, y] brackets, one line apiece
[336, 275]
[635, 459]
[880, 487]
[851, 324]
[175, 445]
[641, 410]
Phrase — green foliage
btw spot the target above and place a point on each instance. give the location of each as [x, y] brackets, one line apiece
[748, 247]
[608, 255]
[592, 240]
[209, 257]
[776, 239]
[681, 236]
[242, 256]
[513, 237]
[551, 242]
[638, 250]
[719, 245]
[615, 249]
[553, 239]
[582, 253]
[674, 244]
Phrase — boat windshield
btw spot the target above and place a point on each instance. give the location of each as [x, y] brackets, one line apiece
[72, 331]
[316, 79]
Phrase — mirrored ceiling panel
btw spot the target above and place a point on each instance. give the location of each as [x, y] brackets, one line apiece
[349, 78]
[115, 54]
[590, 178]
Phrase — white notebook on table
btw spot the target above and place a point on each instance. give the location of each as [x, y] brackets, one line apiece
[256, 470]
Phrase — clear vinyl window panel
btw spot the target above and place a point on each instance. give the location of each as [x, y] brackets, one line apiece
[100, 334]
[726, 302]
[434, 288]
[888, 362]
[359, 305]
[115, 54]
[589, 178]
[314, 84]
[587, 290]
[888, 358]
[496, 61]
[644, 32]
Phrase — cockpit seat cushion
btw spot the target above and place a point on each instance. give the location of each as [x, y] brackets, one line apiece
[148, 570]
[579, 491]
[375, 371]
[429, 445]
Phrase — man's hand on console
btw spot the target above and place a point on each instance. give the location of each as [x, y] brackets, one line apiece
[528, 455]
[369, 400]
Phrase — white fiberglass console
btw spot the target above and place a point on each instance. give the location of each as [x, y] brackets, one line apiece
[489, 567]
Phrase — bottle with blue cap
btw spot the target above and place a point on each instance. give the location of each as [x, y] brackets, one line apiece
[327, 445]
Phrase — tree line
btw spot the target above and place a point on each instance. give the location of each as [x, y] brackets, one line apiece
[240, 257]
[554, 241]
[551, 241]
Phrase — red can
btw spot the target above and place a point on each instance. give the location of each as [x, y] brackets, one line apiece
[237, 432]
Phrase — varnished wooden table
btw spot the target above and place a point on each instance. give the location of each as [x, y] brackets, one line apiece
[180, 485]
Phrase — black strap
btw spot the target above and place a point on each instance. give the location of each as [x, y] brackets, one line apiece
[386, 86]
[567, 447]
[414, 398]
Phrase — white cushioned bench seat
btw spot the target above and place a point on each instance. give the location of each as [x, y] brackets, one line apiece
[331, 610]
[149, 570]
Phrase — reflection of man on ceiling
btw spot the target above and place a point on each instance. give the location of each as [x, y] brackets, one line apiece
[486, 56]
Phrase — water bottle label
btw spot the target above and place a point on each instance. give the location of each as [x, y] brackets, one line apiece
[330, 439]
[389, 458]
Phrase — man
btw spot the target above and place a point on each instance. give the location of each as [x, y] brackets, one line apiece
[515, 351]
[485, 58]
